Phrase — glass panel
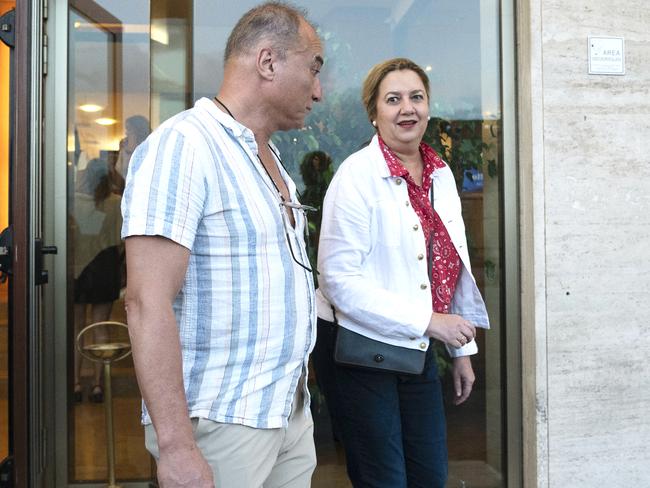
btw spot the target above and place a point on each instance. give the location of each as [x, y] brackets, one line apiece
[140, 62]
[457, 42]
[4, 222]
[111, 80]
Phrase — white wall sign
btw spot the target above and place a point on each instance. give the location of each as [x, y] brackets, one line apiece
[606, 55]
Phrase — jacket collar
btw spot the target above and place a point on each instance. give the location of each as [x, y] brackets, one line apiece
[378, 158]
[379, 161]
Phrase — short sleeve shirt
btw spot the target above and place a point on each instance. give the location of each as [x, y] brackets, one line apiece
[246, 312]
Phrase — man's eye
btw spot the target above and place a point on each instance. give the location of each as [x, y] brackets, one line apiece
[392, 99]
[419, 96]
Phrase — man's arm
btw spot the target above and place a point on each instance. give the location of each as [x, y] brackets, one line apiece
[156, 269]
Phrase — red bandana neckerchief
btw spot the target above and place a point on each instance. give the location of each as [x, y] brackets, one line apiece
[446, 261]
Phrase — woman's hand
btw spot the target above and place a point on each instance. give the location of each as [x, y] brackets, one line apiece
[451, 329]
[463, 375]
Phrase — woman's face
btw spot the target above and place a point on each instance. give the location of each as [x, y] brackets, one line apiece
[402, 110]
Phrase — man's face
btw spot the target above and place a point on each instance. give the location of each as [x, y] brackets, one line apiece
[298, 85]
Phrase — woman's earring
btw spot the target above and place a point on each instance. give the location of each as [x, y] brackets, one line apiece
[374, 123]
[428, 117]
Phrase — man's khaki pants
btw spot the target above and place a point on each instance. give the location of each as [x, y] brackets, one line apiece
[244, 457]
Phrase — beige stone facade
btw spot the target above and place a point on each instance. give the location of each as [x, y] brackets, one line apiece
[585, 234]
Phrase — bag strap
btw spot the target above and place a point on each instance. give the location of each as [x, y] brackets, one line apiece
[430, 250]
[334, 314]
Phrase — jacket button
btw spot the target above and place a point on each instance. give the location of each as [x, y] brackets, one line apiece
[423, 345]
[423, 286]
[416, 227]
[398, 181]
[378, 358]
[420, 257]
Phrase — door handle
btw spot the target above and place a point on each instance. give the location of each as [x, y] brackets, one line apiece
[6, 241]
[42, 276]
[7, 472]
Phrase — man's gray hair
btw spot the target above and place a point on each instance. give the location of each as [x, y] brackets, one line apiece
[277, 22]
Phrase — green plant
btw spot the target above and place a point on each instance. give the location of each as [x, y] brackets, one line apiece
[460, 143]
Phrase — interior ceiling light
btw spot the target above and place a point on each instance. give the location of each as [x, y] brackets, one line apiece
[159, 33]
[105, 121]
[90, 107]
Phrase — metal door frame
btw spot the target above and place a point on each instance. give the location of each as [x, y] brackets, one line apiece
[55, 228]
[28, 431]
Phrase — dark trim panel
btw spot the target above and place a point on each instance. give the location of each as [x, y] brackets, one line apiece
[20, 219]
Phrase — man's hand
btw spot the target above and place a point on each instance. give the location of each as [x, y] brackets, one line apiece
[184, 468]
[451, 329]
[463, 375]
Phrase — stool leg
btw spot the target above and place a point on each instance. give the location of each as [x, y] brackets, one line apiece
[110, 437]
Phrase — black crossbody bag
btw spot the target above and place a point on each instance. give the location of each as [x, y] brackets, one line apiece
[356, 350]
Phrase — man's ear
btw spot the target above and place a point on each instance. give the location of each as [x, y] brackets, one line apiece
[265, 63]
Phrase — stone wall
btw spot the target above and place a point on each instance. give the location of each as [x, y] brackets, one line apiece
[585, 202]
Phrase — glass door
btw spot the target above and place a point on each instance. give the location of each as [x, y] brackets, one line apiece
[134, 63]
[125, 75]
[457, 42]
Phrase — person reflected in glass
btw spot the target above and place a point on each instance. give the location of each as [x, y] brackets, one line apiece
[137, 129]
[316, 172]
[394, 270]
[96, 225]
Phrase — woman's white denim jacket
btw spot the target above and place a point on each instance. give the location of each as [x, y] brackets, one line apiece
[372, 255]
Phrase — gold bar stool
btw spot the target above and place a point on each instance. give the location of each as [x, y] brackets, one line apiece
[116, 347]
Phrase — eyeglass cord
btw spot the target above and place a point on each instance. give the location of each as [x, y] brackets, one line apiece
[258, 156]
[282, 199]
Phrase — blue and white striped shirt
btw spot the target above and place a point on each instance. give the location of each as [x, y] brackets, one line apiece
[246, 313]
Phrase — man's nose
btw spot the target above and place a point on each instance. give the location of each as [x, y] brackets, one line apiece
[317, 93]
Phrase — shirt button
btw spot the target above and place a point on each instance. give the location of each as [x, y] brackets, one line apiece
[398, 181]
[420, 257]
[416, 227]
[423, 286]
[408, 203]
[423, 345]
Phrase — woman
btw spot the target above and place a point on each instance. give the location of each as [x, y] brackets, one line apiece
[377, 228]
[96, 225]
[137, 129]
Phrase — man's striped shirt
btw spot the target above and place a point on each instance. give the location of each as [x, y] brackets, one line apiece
[246, 310]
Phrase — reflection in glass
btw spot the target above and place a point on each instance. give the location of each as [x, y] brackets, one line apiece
[108, 116]
[138, 62]
[96, 222]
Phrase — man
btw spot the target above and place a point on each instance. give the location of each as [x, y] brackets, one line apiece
[220, 297]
